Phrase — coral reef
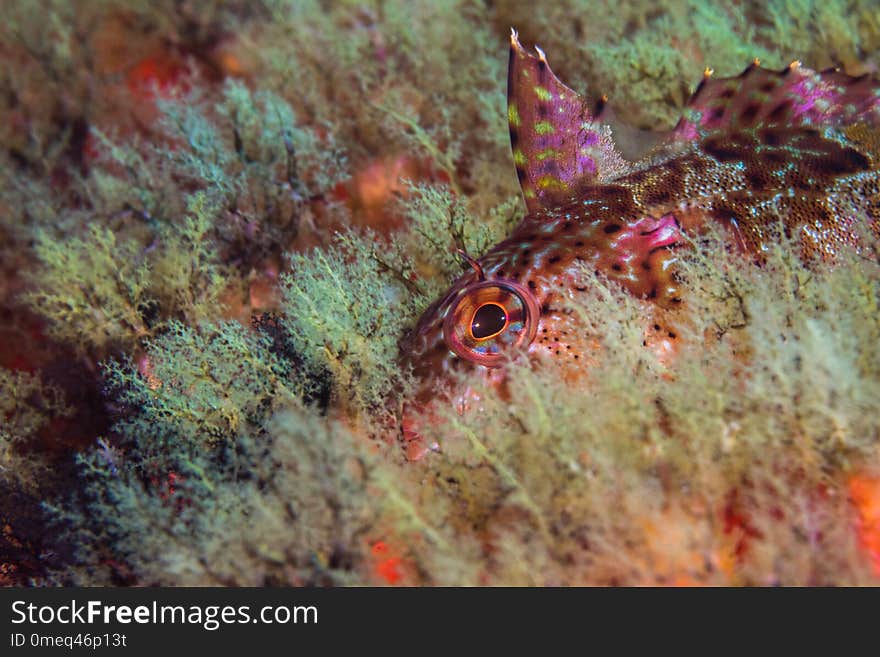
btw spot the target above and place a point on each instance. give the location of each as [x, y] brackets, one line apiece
[219, 221]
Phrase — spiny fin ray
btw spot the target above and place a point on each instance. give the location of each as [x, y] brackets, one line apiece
[794, 96]
[559, 146]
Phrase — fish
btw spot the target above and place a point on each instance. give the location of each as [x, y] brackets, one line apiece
[791, 147]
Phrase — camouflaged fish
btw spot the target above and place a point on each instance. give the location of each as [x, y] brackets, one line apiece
[792, 146]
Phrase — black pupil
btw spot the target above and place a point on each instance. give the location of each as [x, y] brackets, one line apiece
[488, 320]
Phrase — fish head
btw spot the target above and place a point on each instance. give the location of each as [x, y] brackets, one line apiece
[527, 300]
[791, 147]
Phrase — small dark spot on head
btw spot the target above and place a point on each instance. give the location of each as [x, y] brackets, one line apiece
[758, 179]
[657, 196]
[656, 327]
[576, 356]
[567, 225]
[672, 334]
[646, 265]
[532, 285]
[653, 293]
[724, 214]
[805, 132]
[616, 266]
[610, 229]
[768, 86]
[554, 259]
[823, 214]
[638, 177]
[779, 113]
[611, 193]
[749, 113]
[674, 168]
[579, 243]
[770, 137]
[722, 149]
[799, 180]
[845, 161]
[716, 114]
[774, 157]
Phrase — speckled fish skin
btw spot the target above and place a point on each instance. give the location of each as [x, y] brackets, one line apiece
[792, 146]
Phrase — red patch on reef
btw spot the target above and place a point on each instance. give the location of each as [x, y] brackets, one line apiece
[738, 526]
[388, 566]
[158, 76]
[864, 491]
[376, 184]
[168, 490]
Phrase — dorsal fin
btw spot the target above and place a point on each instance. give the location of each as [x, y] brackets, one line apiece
[794, 96]
[558, 144]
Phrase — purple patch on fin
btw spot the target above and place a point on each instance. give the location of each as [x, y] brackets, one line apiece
[587, 165]
[550, 123]
[590, 138]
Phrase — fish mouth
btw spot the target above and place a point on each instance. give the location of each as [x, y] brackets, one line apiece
[661, 232]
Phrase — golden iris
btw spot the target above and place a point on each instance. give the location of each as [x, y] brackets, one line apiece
[489, 320]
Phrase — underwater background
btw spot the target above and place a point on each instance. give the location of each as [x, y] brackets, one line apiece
[220, 221]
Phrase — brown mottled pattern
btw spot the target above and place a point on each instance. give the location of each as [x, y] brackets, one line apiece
[794, 148]
[814, 181]
[748, 180]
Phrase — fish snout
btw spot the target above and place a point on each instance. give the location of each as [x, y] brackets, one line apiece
[428, 420]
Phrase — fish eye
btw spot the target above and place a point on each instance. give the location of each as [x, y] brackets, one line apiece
[489, 319]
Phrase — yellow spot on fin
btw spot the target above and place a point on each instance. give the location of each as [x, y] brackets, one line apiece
[513, 115]
[544, 128]
[543, 94]
[551, 182]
